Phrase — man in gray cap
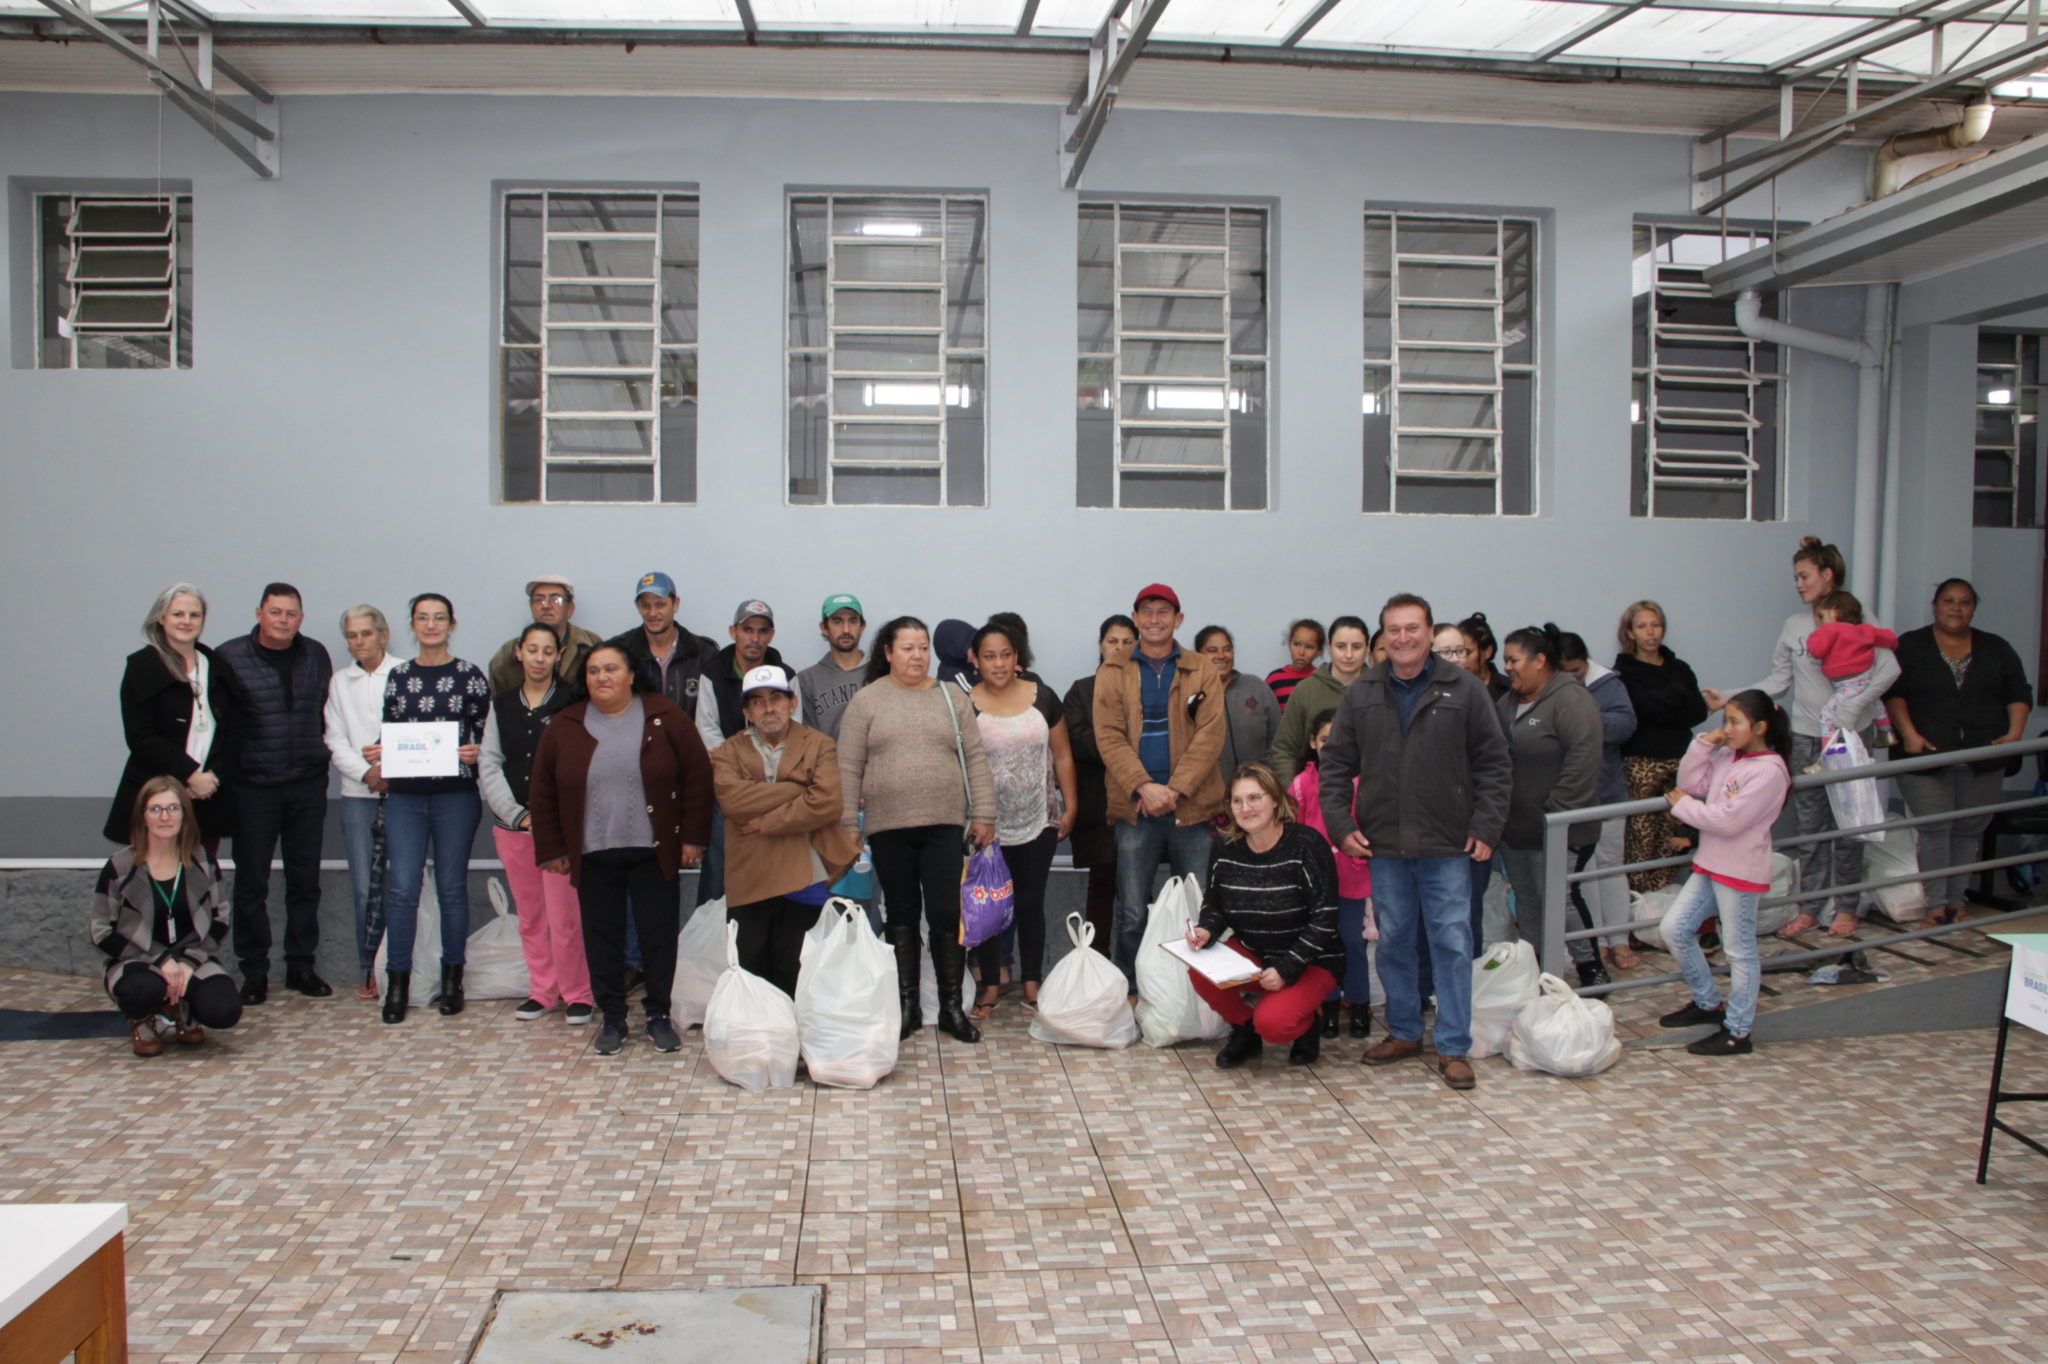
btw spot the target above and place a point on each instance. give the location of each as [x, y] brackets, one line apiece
[720, 712]
[552, 599]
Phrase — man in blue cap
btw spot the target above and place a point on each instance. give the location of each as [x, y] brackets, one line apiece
[666, 657]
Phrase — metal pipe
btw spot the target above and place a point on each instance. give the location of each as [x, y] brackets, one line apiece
[1966, 131]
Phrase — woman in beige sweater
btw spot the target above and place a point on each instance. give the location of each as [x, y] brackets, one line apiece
[910, 756]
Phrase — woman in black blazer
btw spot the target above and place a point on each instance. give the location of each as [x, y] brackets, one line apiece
[177, 713]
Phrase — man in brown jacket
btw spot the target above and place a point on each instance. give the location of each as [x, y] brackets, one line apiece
[1159, 723]
[778, 783]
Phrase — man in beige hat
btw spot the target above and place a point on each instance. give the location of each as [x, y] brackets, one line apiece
[553, 600]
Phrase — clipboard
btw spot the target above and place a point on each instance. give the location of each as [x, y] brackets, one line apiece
[1223, 967]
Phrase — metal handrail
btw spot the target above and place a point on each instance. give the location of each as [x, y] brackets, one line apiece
[1552, 946]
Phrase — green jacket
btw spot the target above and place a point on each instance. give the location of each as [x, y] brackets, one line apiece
[1314, 701]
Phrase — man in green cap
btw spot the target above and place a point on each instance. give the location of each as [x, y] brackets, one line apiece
[830, 683]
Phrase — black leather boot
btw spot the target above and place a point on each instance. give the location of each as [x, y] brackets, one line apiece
[1244, 1044]
[451, 990]
[1330, 1012]
[1306, 1049]
[949, 964]
[397, 992]
[905, 941]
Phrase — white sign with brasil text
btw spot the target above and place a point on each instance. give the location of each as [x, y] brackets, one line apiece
[421, 748]
[2026, 998]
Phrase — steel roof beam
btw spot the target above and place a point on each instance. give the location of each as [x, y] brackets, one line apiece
[1315, 17]
[1794, 64]
[747, 21]
[1027, 18]
[1962, 75]
[1805, 154]
[1585, 31]
[470, 12]
[1110, 54]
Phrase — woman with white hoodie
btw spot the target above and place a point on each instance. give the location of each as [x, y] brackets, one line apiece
[1817, 569]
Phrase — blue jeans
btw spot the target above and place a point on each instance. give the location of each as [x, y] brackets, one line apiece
[1701, 899]
[1140, 844]
[1419, 899]
[1357, 985]
[447, 821]
[358, 818]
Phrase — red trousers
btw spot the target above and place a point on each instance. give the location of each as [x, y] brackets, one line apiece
[1279, 1016]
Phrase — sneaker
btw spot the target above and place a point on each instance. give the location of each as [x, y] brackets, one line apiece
[1592, 973]
[662, 1034]
[578, 1014]
[1722, 1043]
[1692, 1016]
[529, 1009]
[611, 1038]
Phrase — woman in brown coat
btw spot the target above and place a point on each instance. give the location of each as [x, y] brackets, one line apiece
[621, 802]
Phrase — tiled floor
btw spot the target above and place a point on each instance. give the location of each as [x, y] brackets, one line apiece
[316, 1186]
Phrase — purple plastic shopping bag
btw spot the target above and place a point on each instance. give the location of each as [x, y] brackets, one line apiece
[987, 899]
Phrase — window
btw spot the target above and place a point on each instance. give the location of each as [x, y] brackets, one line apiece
[113, 281]
[1450, 364]
[2008, 447]
[598, 353]
[888, 349]
[1174, 327]
[1704, 403]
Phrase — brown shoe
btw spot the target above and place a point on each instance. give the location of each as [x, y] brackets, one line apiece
[1390, 1050]
[1457, 1072]
[188, 1033]
[144, 1037]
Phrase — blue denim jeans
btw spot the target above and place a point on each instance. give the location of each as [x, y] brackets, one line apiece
[1417, 899]
[1701, 898]
[447, 822]
[1140, 844]
[1356, 987]
[358, 819]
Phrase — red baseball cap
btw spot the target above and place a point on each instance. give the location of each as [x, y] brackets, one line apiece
[1159, 590]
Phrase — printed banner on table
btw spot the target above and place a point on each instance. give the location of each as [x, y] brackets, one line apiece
[2026, 998]
[421, 748]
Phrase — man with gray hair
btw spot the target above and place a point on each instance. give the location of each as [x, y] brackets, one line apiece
[552, 599]
[354, 720]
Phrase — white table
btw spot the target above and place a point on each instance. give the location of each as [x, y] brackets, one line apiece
[63, 1284]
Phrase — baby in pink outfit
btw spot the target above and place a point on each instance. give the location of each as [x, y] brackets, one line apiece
[1846, 650]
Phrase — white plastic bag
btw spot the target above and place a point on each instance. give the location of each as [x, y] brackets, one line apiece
[848, 1014]
[497, 959]
[1854, 803]
[750, 1031]
[1896, 854]
[1503, 983]
[1562, 1033]
[1169, 1010]
[700, 961]
[426, 938]
[1084, 1001]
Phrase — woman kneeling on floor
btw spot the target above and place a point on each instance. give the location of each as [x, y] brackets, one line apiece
[157, 914]
[1274, 884]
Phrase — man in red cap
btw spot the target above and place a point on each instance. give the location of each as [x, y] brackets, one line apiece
[1159, 724]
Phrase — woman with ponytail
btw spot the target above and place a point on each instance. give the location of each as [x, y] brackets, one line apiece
[1731, 787]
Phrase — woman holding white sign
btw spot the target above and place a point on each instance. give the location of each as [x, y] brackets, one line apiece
[1273, 885]
[435, 706]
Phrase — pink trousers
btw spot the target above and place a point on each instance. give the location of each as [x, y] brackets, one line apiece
[550, 923]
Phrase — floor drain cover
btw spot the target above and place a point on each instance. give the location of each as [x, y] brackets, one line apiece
[759, 1325]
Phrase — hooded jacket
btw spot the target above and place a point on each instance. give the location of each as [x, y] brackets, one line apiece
[1617, 724]
[1424, 790]
[1556, 748]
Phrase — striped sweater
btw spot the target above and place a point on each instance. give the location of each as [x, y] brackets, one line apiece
[1282, 903]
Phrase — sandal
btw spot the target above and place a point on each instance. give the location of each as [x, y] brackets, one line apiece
[1623, 958]
[985, 1003]
[1835, 929]
[1799, 927]
[1030, 1000]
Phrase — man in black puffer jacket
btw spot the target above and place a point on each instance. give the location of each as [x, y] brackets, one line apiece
[280, 684]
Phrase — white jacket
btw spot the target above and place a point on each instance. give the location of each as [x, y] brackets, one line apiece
[355, 719]
[1794, 670]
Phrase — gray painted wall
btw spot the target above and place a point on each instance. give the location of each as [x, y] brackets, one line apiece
[337, 428]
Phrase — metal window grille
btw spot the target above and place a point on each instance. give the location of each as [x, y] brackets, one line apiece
[1172, 388]
[2007, 470]
[888, 349]
[598, 347]
[1705, 402]
[114, 281]
[1449, 407]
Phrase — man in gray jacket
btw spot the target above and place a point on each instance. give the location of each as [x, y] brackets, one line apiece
[1419, 734]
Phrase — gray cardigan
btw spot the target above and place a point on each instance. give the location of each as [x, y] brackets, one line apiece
[1556, 748]
[1251, 717]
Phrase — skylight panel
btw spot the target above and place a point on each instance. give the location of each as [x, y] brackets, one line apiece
[1072, 16]
[1232, 21]
[1496, 28]
[710, 14]
[330, 11]
[999, 16]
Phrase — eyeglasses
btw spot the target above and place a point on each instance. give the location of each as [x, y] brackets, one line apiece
[162, 811]
[1454, 653]
[548, 599]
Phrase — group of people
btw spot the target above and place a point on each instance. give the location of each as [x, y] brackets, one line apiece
[1342, 815]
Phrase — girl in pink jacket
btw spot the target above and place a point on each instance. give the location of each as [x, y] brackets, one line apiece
[1731, 786]
[1354, 897]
